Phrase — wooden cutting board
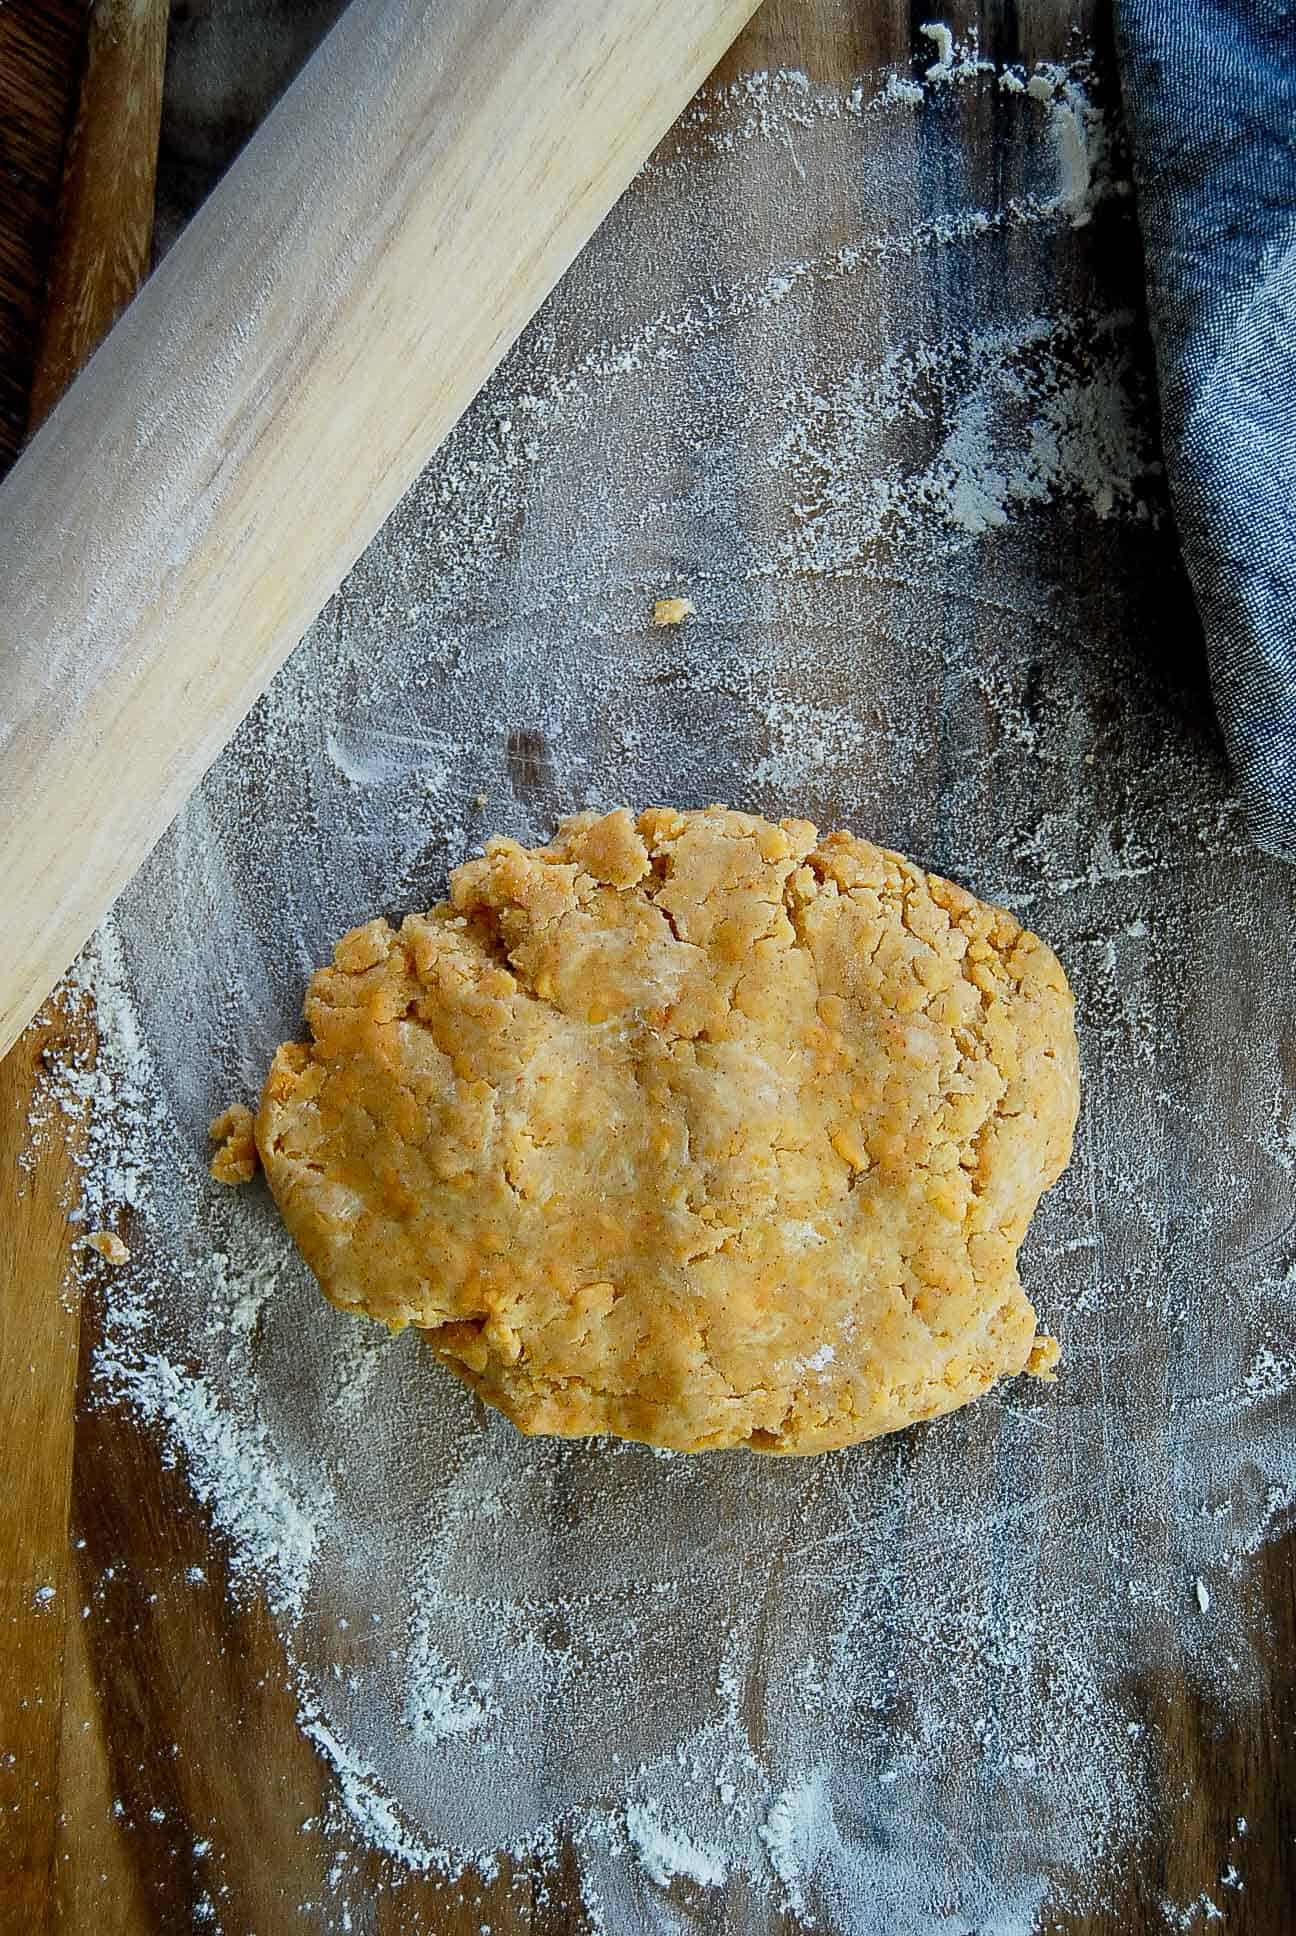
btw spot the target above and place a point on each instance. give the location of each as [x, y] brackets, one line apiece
[80, 103]
[130, 1739]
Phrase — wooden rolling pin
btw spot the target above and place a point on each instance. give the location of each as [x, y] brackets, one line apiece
[323, 322]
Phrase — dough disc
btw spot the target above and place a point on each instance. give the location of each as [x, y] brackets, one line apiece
[693, 1129]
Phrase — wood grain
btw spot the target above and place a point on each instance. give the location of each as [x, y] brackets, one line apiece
[324, 321]
[95, 251]
[103, 228]
[42, 45]
[38, 1357]
[174, 1705]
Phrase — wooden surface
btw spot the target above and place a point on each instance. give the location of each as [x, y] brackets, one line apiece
[41, 50]
[83, 260]
[103, 223]
[162, 1720]
[306, 346]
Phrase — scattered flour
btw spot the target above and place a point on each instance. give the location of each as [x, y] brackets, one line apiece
[794, 1832]
[951, 61]
[727, 1674]
[438, 1705]
[665, 1853]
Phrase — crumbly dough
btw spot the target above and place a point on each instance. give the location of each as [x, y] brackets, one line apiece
[693, 1129]
[236, 1159]
[671, 611]
[109, 1246]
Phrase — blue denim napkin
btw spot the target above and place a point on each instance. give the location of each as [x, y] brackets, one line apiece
[1210, 97]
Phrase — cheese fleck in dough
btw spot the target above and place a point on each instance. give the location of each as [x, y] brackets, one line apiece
[694, 1129]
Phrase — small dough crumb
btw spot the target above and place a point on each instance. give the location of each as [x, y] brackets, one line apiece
[236, 1159]
[671, 611]
[1043, 1360]
[109, 1246]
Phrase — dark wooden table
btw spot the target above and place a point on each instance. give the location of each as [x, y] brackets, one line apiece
[184, 1696]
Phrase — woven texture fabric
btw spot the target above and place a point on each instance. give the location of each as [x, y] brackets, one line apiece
[1210, 97]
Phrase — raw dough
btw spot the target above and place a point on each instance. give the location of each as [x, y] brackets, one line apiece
[696, 1129]
[109, 1246]
[236, 1159]
[671, 611]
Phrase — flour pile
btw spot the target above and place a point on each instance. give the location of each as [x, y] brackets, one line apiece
[904, 1688]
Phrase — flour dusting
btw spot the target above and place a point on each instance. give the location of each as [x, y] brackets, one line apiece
[899, 1688]
[665, 1853]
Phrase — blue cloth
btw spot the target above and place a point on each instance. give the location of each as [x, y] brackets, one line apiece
[1210, 98]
